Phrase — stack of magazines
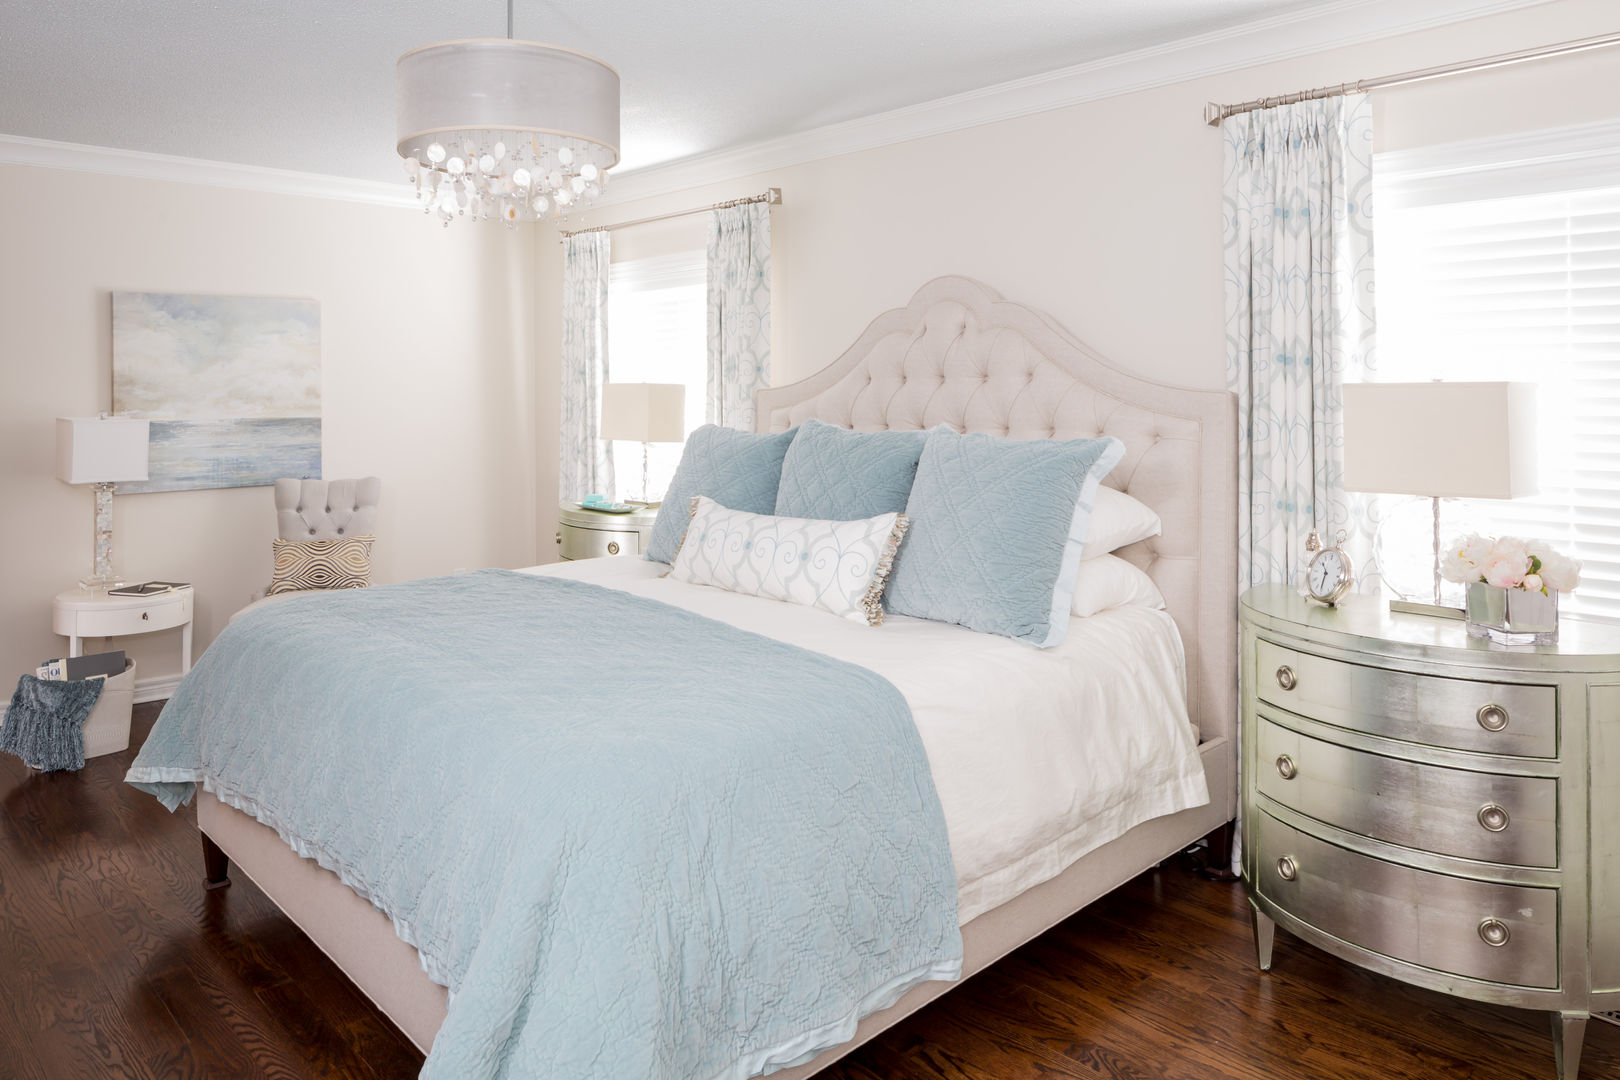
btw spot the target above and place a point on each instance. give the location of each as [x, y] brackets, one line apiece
[94, 666]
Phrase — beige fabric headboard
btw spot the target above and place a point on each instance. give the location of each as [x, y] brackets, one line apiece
[958, 354]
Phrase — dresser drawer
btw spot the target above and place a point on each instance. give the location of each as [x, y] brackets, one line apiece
[1489, 718]
[1472, 815]
[1433, 920]
[580, 543]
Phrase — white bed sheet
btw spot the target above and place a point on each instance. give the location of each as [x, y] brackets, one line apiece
[1038, 755]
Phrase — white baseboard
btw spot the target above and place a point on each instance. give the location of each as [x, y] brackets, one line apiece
[157, 689]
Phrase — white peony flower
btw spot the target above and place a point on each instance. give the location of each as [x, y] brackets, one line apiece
[1532, 583]
[1560, 572]
[1465, 559]
[1511, 547]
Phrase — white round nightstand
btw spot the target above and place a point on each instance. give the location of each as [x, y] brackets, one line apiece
[83, 613]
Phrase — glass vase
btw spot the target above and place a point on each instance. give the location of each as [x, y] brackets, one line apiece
[1512, 616]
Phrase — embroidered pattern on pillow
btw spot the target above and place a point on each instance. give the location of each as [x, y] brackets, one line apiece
[836, 566]
[322, 564]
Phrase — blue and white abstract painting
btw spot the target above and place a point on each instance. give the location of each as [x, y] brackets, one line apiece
[232, 385]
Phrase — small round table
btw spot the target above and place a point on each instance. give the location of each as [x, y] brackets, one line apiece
[83, 613]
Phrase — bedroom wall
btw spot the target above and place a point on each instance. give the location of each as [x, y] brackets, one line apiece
[427, 381]
[1107, 215]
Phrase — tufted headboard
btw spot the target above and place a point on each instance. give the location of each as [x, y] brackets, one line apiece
[959, 354]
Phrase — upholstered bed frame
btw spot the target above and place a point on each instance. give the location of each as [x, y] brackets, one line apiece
[956, 354]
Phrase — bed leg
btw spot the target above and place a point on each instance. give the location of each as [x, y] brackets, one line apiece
[1218, 863]
[216, 864]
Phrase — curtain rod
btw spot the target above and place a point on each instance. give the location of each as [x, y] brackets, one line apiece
[1214, 114]
[771, 197]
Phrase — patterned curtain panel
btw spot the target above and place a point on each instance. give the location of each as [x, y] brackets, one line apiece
[739, 312]
[584, 464]
[1299, 323]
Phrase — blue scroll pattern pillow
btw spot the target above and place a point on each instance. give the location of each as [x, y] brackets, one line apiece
[836, 474]
[837, 566]
[996, 531]
[738, 469]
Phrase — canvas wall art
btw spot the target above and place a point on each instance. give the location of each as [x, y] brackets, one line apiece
[231, 384]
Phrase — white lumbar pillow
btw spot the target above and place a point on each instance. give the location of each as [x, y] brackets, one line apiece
[1108, 582]
[837, 566]
[1117, 520]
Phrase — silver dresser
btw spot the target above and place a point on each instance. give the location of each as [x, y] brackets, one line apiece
[1434, 809]
[591, 534]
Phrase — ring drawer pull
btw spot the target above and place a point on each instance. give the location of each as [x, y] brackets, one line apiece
[1288, 869]
[1288, 770]
[613, 547]
[1286, 678]
[1494, 818]
[1494, 932]
[1492, 717]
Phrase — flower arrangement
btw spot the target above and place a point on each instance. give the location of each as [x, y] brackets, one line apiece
[1510, 563]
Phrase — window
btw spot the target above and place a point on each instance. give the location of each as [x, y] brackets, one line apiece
[1512, 272]
[658, 333]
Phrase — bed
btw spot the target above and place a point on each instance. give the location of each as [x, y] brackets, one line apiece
[1033, 837]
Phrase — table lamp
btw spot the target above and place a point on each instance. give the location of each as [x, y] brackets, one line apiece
[644, 413]
[101, 451]
[1459, 440]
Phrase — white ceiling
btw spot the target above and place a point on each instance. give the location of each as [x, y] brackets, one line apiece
[308, 84]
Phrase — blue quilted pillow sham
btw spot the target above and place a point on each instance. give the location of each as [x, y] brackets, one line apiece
[834, 474]
[737, 469]
[996, 531]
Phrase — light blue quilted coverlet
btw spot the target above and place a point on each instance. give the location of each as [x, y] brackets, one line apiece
[632, 841]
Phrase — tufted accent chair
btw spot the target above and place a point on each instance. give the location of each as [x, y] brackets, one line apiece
[322, 510]
[327, 509]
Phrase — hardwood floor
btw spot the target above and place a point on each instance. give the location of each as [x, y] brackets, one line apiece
[116, 962]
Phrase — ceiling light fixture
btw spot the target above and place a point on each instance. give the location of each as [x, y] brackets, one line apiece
[516, 130]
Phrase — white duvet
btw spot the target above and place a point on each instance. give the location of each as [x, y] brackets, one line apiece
[1038, 755]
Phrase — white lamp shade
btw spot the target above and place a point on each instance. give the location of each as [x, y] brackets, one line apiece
[1463, 440]
[515, 87]
[644, 412]
[100, 451]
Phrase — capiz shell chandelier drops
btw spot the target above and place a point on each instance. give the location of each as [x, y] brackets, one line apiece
[516, 130]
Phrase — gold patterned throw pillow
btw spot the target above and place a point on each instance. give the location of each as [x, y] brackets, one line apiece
[322, 564]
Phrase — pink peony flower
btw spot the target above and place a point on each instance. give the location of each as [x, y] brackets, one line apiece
[1506, 572]
[1532, 583]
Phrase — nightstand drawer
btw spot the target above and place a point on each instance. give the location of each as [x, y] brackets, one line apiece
[1472, 815]
[1436, 921]
[157, 613]
[578, 543]
[1489, 718]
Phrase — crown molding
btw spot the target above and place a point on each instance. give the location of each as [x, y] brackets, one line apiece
[1344, 22]
[140, 165]
[1281, 37]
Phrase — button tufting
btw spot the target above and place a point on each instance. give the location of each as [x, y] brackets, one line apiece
[312, 532]
[340, 532]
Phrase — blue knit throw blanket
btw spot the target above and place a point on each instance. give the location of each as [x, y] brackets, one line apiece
[44, 724]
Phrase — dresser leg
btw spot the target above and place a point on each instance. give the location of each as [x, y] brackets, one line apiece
[1265, 932]
[1568, 1032]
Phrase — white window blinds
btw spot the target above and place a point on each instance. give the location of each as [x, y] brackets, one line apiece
[658, 333]
[1523, 288]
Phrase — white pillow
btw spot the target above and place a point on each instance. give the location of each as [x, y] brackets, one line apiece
[1116, 520]
[1110, 582]
[837, 566]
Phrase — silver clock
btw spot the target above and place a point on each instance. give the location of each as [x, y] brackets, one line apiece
[1328, 576]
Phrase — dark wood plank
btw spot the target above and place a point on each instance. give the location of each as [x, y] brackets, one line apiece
[116, 962]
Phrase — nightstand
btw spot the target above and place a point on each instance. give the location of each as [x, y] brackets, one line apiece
[591, 534]
[84, 613]
[1434, 809]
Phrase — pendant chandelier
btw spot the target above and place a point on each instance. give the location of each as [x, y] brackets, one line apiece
[516, 130]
